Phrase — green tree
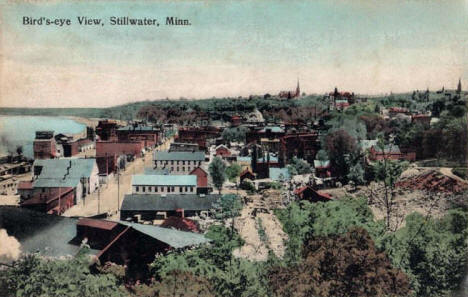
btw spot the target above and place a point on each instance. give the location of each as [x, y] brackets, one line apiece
[356, 174]
[432, 252]
[34, 276]
[299, 166]
[233, 172]
[340, 265]
[217, 170]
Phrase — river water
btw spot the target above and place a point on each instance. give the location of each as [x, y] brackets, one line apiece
[20, 130]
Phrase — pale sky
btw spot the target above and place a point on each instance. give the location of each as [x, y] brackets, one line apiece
[233, 48]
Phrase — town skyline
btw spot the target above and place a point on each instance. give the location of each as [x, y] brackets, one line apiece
[229, 50]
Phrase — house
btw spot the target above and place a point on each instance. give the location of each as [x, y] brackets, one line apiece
[393, 111]
[25, 189]
[202, 177]
[59, 184]
[424, 119]
[153, 206]
[322, 168]
[222, 151]
[178, 162]
[236, 120]
[44, 145]
[341, 104]
[164, 184]
[390, 152]
[311, 195]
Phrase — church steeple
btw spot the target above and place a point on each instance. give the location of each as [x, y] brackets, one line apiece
[298, 89]
[459, 87]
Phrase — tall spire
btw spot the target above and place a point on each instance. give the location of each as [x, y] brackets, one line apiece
[459, 87]
[298, 89]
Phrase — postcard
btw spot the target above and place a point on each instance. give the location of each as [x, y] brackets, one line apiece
[234, 148]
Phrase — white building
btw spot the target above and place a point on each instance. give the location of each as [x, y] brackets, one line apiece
[164, 184]
[178, 162]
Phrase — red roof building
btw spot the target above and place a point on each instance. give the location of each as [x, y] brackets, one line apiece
[311, 195]
[202, 177]
[223, 151]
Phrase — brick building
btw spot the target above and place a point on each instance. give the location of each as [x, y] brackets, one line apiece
[302, 145]
[106, 130]
[44, 145]
[149, 135]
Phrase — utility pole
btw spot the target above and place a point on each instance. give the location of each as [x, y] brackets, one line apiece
[99, 200]
[118, 190]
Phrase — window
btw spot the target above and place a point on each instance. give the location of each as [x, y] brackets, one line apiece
[183, 162]
[181, 189]
[178, 168]
[143, 188]
[167, 189]
[172, 189]
[137, 189]
[178, 162]
[156, 189]
[172, 162]
[186, 189]
[183, 168]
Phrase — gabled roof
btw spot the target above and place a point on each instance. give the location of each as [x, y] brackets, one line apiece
[39, 232]
[179, 156]
[222, 146]
[164, 180]
[66, 172]
[154, 202]
[174, 238]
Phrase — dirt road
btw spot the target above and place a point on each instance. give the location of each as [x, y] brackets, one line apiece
[110, 196]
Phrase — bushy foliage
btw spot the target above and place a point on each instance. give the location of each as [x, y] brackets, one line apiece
[233, 172]
[34, 276]
[432, 252]
[247, 185]
[217, 172]
[229, 276]
[340, 265]
[234, 134]
[299, 166]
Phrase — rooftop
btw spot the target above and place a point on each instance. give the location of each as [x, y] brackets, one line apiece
[64, 172]
[164, 180]
[179, 156]
[154, 202]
